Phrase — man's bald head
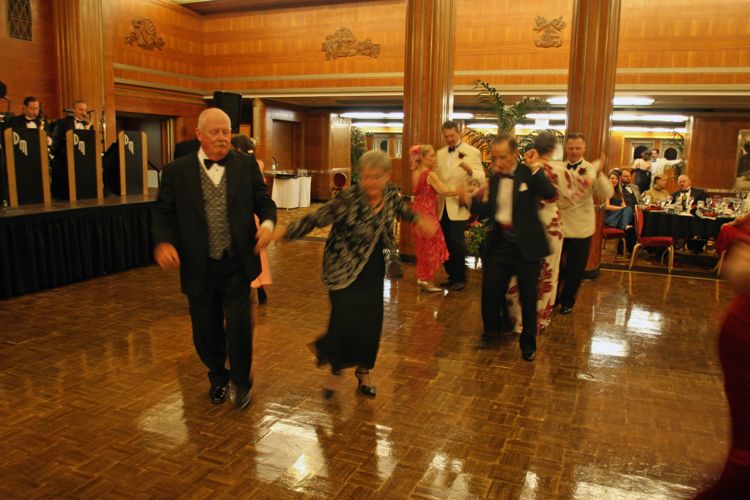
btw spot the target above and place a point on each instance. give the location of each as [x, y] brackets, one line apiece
[214, 133]
[684, 182]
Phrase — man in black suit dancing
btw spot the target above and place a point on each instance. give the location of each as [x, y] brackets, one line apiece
[517, 241]
[203, 224]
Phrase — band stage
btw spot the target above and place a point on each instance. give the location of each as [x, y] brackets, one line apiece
[45, 246]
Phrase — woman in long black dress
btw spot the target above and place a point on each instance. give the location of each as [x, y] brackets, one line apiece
[354, 264]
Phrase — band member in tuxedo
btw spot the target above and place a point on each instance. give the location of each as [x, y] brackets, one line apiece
[29, 117]
[579, 219]
[78, 121]
[203, 225]
[517, 242]
[457, 164]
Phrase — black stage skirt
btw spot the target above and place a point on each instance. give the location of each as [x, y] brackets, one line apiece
[356, 322]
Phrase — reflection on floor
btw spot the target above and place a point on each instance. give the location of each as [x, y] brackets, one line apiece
[102, 394]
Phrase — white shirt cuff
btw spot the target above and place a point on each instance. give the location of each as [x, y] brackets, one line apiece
[268, 224]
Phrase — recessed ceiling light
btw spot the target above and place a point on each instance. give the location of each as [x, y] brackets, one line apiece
[617, 101]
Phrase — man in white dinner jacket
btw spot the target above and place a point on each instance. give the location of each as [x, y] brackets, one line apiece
[457, 163]
[578, 219]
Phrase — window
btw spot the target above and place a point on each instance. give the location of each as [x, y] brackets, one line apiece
[19, 19]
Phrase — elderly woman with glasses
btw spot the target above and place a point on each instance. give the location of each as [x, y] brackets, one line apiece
[362, 218]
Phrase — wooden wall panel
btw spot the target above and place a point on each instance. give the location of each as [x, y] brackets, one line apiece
[712, 151]
[266, 149]
[30, 68]
[178, 65]
[247, 48]
[184, 108]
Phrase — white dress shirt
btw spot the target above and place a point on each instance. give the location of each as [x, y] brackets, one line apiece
[78, 124]
[504, 213]
[215, 173]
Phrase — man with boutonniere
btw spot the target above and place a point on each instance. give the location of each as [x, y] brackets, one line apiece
[579, 218]
[517, 242]
[457, 164]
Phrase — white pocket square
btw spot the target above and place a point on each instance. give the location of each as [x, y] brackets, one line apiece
[523, 187]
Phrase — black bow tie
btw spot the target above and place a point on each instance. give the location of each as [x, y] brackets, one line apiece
[452, 148]
[210, 163]
[503, 175]
[684, 191]
[573, 166]
[29, 120]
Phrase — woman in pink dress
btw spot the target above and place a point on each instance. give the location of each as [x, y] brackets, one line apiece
[426, 185]
[244, 144]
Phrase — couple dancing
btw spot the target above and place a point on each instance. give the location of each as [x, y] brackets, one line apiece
[203, 225]
[436, 178]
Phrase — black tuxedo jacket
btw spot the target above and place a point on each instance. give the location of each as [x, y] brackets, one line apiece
[528, 189]
[61, 128]
[18, 121]
[180, 216]
[697, 194]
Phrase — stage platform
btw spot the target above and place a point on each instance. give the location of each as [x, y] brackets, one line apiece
[45, 246]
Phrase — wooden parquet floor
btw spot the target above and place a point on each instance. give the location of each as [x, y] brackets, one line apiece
[102, 395]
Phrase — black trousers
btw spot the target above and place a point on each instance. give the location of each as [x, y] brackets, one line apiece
[503, 260]
[575, 254]
[455, 241]
[221, 323]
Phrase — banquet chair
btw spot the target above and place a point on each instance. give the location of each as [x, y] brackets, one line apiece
[666, 242]
[612, 233]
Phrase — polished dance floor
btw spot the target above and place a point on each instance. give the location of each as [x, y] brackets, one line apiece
[101, 394]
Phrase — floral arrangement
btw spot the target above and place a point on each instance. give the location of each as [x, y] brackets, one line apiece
[476, 233]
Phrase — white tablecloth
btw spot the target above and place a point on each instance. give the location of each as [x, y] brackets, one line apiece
[286, 192]
[305, 184]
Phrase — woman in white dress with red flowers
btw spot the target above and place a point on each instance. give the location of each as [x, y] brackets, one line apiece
[570, 185]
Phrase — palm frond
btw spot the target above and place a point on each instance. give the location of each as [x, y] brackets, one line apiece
[477, 139]
[507, 116]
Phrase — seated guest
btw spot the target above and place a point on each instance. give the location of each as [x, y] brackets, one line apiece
[630, 192]
[619, 214]
[659, 192]
[688, 191]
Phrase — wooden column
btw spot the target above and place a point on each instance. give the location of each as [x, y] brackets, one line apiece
[428, 84]
[591, 86]
[84, 70]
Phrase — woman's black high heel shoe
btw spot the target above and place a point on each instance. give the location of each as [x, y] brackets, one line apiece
[367, 390]
[262, 296]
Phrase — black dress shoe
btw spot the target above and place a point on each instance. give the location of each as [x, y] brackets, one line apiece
[528, 355]
[446, 284]
[457, 286]
[262, 296]
[218, 394]
[243, 397]
[566, 309]
[488, 335]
